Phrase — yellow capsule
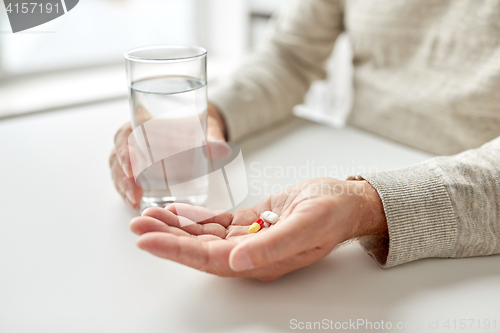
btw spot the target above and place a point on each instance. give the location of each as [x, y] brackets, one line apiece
[254, 228]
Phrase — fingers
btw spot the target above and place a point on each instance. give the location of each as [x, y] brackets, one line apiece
[272, 252]
[285, 239]
[208, 227]
[214, 133]
[184, 250]
[201, 214]
[242, 219]
[244, 216]
[209, 255]
[215, 124]
[190, 251]
[218, 150]
[121, 149]
[125, 186]
[121, 168]
[144, 224]
[279, 203]
[215, 136]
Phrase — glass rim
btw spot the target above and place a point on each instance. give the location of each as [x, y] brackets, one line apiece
[128, 54]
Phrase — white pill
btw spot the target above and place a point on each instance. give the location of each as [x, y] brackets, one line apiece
[269, 216]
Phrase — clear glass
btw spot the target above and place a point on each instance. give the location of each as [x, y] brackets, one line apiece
[168, 99]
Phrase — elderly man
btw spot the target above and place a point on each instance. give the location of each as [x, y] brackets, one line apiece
[427, 74]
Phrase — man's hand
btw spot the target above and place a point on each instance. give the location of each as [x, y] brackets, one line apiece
[119, 161]
[314, 217]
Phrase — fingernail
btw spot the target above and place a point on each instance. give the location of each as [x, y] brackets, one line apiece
[130, 196]
[125, 168]
[240, 261]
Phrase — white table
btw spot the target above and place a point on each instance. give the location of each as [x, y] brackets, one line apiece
[68, 262]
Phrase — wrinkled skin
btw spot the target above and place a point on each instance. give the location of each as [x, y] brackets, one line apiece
[314, 218]
[119, 161]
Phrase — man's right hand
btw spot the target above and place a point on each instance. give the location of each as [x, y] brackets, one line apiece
[119, 161]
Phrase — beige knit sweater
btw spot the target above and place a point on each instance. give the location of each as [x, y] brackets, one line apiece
[427, 74]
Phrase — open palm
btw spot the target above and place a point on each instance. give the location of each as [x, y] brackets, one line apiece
[314, 219]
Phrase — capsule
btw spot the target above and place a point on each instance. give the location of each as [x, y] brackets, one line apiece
[256, 226]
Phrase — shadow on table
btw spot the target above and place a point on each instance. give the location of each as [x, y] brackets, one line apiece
[345, 285]
[342, 286]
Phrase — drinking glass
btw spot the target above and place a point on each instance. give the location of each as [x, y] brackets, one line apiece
[168, 99]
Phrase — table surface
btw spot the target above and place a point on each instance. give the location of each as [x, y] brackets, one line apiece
[70, 264]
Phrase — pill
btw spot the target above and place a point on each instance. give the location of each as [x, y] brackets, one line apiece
[269, 216]
[256, 226]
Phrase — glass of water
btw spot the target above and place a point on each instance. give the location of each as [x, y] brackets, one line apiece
[168, 98]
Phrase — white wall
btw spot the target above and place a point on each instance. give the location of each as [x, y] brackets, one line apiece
[224, 27]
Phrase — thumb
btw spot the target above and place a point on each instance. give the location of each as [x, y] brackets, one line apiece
[219, 149]
[216, 138]
[283, 240]
[214, 131]
[215, 126]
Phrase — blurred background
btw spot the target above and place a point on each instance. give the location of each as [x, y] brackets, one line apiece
[77, 59]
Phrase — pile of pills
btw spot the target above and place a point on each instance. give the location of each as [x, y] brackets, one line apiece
[267, 216]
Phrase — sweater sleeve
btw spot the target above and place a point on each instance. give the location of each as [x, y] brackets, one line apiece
[445, 207]
[265, 88]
